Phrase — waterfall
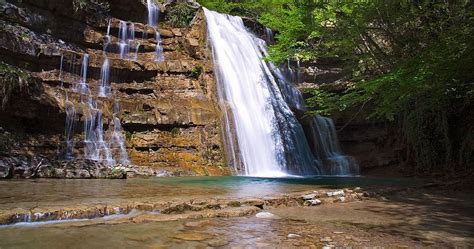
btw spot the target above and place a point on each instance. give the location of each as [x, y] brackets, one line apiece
[153, 16]
[159, 48]
[118, 140]
[263, 135]
[269, 37]
[137, 48]
[123, 42]
[104, 89]
[83, 87]
[99, 145]
[108, 39]
[153, 13]
[270, 140]
[327, 149]
[69, 128]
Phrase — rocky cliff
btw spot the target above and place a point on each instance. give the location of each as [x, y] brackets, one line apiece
[375, 144]
[169, 113]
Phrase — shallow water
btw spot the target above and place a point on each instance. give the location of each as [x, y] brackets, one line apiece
[57, 192]
[122, 232]
[18, 192]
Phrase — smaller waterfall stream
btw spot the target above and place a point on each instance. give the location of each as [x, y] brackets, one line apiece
[99, 144]
[104, 89]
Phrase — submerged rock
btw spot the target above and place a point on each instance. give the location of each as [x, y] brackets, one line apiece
[326, 239]
[265, 215]
[336, 193]
[293, 236]
[312, 202]
[193, 236]
[309, 196]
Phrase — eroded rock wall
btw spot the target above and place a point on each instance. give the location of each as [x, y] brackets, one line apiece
[375, 144]
[169, 111]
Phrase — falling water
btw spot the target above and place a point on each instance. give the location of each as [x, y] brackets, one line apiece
[159, 48]
[327, 149]
[102, 151]
[269, 36]
[83, 87]
[153, 13]
[263, 133]
[90, 115]
[117, 137]
[61, 77]
[131, 39]
[98, 144]
[108, 39]
[270, 140]
[69, 128]
[153, 16]
[136, 51]
[104, 89]
[123, 43]
[131, 31]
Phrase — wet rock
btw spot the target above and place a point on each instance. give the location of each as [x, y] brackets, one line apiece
[177, 32]
[309, 196]
[356, 239]
[193, 236]
[312, 202]
[293, 236]
[234, 204]
[197, 223]
[341, 199]
[177, 208]
[235, 212]
[265, 215]
[217, 242]
[335, 193]
[255, 202]
[326, 239]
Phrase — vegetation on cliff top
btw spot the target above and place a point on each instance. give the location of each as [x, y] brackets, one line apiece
[412, 60]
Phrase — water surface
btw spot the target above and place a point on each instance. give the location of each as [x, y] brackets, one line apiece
[59, 192]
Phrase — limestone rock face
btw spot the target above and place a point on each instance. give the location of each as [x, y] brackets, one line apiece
[169, 111]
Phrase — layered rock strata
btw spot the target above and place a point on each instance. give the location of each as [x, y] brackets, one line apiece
[169, 111]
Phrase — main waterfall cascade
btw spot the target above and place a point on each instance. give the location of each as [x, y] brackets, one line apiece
[263, 135]
[99, 145]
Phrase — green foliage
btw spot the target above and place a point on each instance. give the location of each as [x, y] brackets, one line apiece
[180, 15]
[323, 102]
[411, 60]
[425, 93]
[195, 72]
[11, 79]
[96, 4]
